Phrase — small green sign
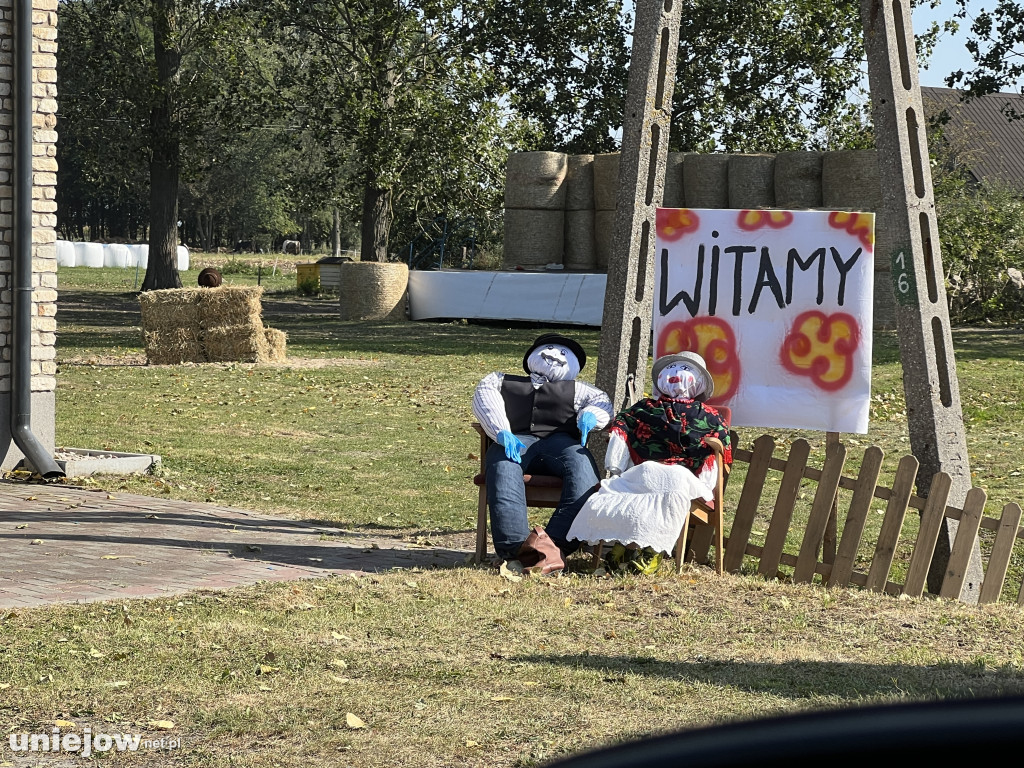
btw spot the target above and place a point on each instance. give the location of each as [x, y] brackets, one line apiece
[904, 285]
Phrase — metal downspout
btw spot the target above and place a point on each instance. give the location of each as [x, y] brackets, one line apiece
[21, 353]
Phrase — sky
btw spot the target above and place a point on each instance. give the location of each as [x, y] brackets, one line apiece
[950, 53]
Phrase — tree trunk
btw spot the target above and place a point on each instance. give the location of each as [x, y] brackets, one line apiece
[162, 270]
[336, 234]
[376, 222]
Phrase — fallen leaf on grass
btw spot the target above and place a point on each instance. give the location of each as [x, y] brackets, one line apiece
[341, 680]
[339, 664]
[20, 527]
[472, 743]
[163, 725]
[118, 684]
[64, 723]
[96, 653]
[36, 541]
[339, 636]
[509, 573]
[501, 698]
[110, 557]
[111, 496]
[353, 722]
[4, 686]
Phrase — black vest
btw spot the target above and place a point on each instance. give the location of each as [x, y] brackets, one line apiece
[541, 411]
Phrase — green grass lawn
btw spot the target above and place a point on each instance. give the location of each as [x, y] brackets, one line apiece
[367, 427]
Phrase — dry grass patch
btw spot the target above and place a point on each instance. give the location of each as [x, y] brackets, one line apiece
[465, 668]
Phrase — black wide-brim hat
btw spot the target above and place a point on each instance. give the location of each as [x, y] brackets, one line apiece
[558, 340]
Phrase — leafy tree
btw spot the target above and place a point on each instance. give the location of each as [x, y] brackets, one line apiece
[996, 42]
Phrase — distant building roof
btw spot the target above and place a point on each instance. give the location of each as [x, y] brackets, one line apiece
[986, 141]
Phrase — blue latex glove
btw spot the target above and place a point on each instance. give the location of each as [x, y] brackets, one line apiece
[586, 422]
[512, 444]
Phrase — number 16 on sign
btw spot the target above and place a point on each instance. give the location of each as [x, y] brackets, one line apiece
[903, 283]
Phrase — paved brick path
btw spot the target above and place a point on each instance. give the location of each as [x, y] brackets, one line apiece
[99, 545]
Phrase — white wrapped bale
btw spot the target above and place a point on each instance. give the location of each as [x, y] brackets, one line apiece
[140, 255]
[183, 257]
[536, 180]
[89, 254]
[116, 255]
[66, 254]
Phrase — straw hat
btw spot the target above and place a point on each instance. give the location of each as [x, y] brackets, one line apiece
[694, 361]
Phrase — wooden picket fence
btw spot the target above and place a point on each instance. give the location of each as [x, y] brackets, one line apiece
[836, 562]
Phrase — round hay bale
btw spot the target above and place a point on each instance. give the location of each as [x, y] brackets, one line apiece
[65, 254]
[116, 255]
[533, 238]
[210, 278]
[183, 257]
[751, 181]
[604, 232]
[606, 181]
[673, 197]
[850, 180]
[89, 254]
[579, 183]
[372, 290]
[536, 180]
[706, 181]
[579, 240]
[141, 253]
[798, 180]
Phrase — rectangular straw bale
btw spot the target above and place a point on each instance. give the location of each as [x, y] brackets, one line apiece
[173, 346]
[228, 306]
[169, 309]
[235, 343]
[275, 345]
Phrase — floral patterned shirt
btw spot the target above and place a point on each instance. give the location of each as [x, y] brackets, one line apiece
[672, 431]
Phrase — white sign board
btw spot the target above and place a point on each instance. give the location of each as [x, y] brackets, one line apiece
[779, 305]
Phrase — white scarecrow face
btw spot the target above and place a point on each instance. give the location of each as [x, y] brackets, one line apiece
[679, 380]
[554, 362]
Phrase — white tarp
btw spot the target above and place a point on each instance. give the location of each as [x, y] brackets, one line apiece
[779, 304]
[542, 297]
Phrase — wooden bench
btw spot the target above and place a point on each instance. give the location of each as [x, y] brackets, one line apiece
[546, 491]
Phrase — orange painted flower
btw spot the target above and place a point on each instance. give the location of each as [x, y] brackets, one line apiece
[751, 220]
[673, 223]
[822, 346]
[860, 225]
[713, 339]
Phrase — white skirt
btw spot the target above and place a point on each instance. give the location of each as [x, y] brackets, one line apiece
[646, 505]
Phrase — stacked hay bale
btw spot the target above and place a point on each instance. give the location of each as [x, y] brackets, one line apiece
[673, 196]
[579, 253]
[850, 181]
[751, 180]
[706, 181]
[201, 325]
[606, 186]
[534, 209]
[798, 180]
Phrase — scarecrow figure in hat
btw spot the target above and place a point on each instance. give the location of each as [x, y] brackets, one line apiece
[539, 424]
[658, 461]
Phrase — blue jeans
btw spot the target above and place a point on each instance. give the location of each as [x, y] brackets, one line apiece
[557, 454]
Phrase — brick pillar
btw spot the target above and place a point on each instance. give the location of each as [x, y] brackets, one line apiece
[44, 222]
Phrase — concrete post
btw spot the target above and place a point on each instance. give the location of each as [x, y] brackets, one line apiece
[934, 416]
[628, 302]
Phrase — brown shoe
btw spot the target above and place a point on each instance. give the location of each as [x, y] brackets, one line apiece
[540, 553]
